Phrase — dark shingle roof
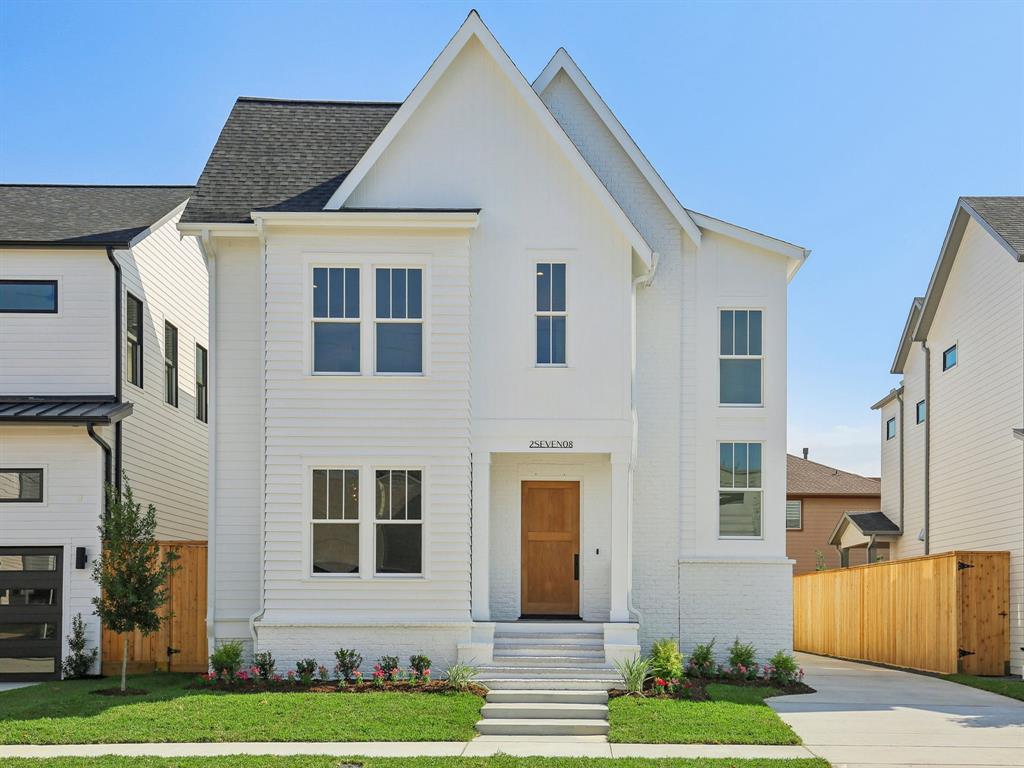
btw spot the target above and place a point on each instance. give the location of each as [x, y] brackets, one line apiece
[283, 156]
[872, 522]
[83, 214]
[61, 411]
[1005, 215]
[808, 478]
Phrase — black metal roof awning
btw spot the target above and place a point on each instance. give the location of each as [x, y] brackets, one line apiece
[61, 410]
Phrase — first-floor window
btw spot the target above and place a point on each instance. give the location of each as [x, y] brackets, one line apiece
[794, 515]
[399, 521]
[335, 521]
[21, 485]
[739, 490]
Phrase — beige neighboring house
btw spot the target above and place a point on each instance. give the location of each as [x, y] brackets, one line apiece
[820, 499]
[951, 433]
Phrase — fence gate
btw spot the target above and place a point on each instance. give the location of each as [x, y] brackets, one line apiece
[180, 643]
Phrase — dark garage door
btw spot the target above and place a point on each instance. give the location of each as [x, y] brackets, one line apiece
[30, 613]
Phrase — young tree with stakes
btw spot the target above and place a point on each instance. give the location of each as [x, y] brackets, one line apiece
[130, 572]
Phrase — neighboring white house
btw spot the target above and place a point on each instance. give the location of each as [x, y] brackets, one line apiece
[952, 466]
[87, 392]
[474, 363]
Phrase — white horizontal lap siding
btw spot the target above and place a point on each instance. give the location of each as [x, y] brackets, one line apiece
[910, 545]
[977, 474]
[68, 353]
[72, 466]
[890, 455]
[367, 421]
[166, 448]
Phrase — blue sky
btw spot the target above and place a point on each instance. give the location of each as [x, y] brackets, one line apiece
[847, 128]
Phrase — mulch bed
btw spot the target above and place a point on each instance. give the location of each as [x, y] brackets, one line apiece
[698, 691]
[119, 692]
[297, 686]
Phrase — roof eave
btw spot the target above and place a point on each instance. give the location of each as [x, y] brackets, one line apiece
[795, 254]
[122, 412]
[893, 394]
[379, 219]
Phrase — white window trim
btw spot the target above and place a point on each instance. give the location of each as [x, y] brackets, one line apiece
[422, 522]
[6, 506]
[422, 319]
[58, 278]
[537, 313]
[720, 489]
[761, 357]
[311, 521]
[313, 321]
[799, 502]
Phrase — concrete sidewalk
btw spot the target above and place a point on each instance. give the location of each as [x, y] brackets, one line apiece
[864, 715]
[579, 746]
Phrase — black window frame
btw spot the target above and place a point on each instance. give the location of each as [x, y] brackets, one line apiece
[920, 412]
[135, 370]
[42, 487]
[170, 364]
[890, 422]
[56, 297]
[945, 358]
[203, 385]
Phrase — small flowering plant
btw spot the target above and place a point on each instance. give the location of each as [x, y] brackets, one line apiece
[379, 675]
[660, 686]
[210, 678]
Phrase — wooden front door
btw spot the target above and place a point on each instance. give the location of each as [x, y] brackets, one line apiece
[550, 548]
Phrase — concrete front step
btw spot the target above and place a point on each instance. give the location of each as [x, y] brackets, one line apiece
[575, 628]
[573, 662]
[548, 649]
[542, 638]
[565, 683]
[542, 727]
[547, 672]
[514, 696]
[545, 711]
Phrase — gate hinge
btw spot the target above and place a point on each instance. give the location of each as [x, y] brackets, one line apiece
[961, 652]
[960, 565]
[172, 651]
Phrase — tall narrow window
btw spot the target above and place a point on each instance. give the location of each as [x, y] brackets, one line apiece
[171, 364]
[739, 490]
[133, 332]
[399, 521]
[794, 515]
[551, 314]
[949, 358]
[336, 320]
[29, 296]
[740, 357]
[399, 326]
[921, 411]
[890, 428]
[202, 384]
[21, 485]
[335, 521]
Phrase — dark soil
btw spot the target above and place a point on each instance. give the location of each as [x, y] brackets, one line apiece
[119, 692]
[297, 686]
[698, 691]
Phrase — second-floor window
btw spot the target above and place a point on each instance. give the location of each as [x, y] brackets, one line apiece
[336, 320]
[740, 357]
[133, 333]
[202, 384]
[551, 315]
[739, 490]
[21, 485]
[28, 296]
[949, 358]
[921, 411]
[399, 320]
[890, 428]
[170, 364]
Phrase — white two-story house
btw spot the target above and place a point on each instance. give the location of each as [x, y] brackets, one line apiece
[952, 433]
[477, 372]
[103, 371]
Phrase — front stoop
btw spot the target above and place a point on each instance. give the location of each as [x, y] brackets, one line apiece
[534, 712]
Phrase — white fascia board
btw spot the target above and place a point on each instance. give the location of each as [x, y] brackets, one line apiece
[217, 229]
[474, 27]
[796, 254]
[907, 337]
[397, 219]
[563, 62]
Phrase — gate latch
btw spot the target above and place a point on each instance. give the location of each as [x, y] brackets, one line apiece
[172, 651]
[961, 652]
[960, 565]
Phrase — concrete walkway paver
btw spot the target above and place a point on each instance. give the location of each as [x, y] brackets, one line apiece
[864, 715]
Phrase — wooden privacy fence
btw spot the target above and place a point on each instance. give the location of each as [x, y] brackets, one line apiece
[180, 643]
[942, 613]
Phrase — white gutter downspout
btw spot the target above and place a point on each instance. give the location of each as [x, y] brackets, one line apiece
[206, 244]
[263, 434]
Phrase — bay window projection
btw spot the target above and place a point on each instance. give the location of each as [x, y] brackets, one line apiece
[335, 521]
[551, 315]
[399, 521]
[740, 357]
[399, 320]
[739, 490]
[336, 320]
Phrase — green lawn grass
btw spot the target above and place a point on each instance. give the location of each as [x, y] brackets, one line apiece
[499, 761]
[68, 713]
[1001, 685]
[733, 716]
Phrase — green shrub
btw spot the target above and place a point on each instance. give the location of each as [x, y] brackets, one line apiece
[782, 669]
[265, 664]
[666, 660]
[459, 676]
[635, 672]
[79, 661]
[226, 659]
[349, 660]
[390, 666]
[702, 660]
[420, 664]
[742, 654]
[306, 669]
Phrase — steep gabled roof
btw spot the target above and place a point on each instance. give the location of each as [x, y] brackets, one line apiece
[1004, 217]
[81, 214]
[907, 338]
[279, 155]
[809, 478]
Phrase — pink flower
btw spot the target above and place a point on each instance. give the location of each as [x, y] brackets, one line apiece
[659, 682]
[277, 678]
[291, 675]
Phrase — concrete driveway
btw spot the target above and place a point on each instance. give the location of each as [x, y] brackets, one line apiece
[864, 715]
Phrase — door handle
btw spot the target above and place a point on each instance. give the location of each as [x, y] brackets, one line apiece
[576, 566]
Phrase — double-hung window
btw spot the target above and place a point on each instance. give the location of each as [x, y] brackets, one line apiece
[551, 314]
[202, 384]
[336, 320]
[30, 296]
[335, 521]
[399, 320]
[21, 485]
[739, 490]
[740, 357]
[794, 515]
[399, 521]
[170, 364]
[133, 333]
